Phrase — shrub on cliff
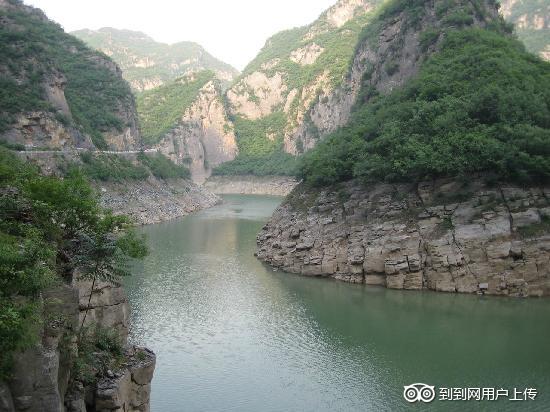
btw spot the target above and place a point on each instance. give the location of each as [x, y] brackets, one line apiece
[48, 227]
[162, 167]
[480, 103]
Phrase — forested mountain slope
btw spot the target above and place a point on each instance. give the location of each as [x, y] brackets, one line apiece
[147, 64]
[55, 91]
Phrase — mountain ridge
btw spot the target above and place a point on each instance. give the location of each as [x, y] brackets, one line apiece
[147, 63]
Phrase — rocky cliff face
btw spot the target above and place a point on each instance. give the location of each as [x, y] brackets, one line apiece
[302, 73]
[532, 22]
[203, 138]
[44, 376]
[445, 235]
[51, 80]
[148, 64]
[314, 75]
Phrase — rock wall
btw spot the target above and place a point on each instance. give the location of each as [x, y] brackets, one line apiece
[251, 185]
[532, 22]
[43, 378]
[445, 236]
[155, 200]
[204, 137]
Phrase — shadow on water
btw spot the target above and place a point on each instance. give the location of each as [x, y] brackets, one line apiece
[231, 334]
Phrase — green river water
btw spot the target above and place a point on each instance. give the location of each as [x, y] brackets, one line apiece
[231, 334]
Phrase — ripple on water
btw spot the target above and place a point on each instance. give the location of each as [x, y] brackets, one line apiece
[232, 335]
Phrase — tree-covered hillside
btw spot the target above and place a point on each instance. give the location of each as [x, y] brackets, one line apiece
[147, 64]
[35, 53]
[481, 103]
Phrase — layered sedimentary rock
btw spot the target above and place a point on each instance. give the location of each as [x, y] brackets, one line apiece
[44, 376]
[444, 235]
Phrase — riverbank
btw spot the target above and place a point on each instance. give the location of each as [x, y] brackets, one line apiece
[155, 200]
[218, 319]
[147, 201]
[443, 235]
[251, 185]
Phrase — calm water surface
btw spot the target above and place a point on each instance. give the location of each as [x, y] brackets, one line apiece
[232, 335]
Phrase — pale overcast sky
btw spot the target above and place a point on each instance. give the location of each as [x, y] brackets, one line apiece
[232, 30]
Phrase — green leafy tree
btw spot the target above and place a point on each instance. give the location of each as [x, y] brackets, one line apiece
[50, 228]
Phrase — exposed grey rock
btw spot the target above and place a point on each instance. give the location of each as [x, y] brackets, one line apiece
[156, 200]
[251, 185]
[130, 390]
[6, 401]
[417, 239]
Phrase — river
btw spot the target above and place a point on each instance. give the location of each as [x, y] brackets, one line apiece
[231, 334]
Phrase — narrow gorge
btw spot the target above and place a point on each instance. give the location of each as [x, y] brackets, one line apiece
[358, 208]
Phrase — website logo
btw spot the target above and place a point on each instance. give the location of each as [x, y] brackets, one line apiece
[419, 392]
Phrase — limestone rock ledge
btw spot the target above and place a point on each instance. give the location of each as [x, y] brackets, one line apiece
[443, 235]
[43, 376]
[251, 185]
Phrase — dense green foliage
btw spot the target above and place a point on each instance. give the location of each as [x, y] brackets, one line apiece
[99, 350]
[115, 168]
[481, 103]
[162, 167]
[110, 167]
[32, 50]
[164, 62]
[160, 109]
[259, 154]
[49, 226]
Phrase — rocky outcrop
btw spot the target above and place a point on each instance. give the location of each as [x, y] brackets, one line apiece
[257, 95]
[445, 236]
[155, 200]
[57, 80]
[147, 201]
[44, 376]
[532, 23]
[204, 136]
[128, 390]
[344, 10]
[42, 130]
[251, 185]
